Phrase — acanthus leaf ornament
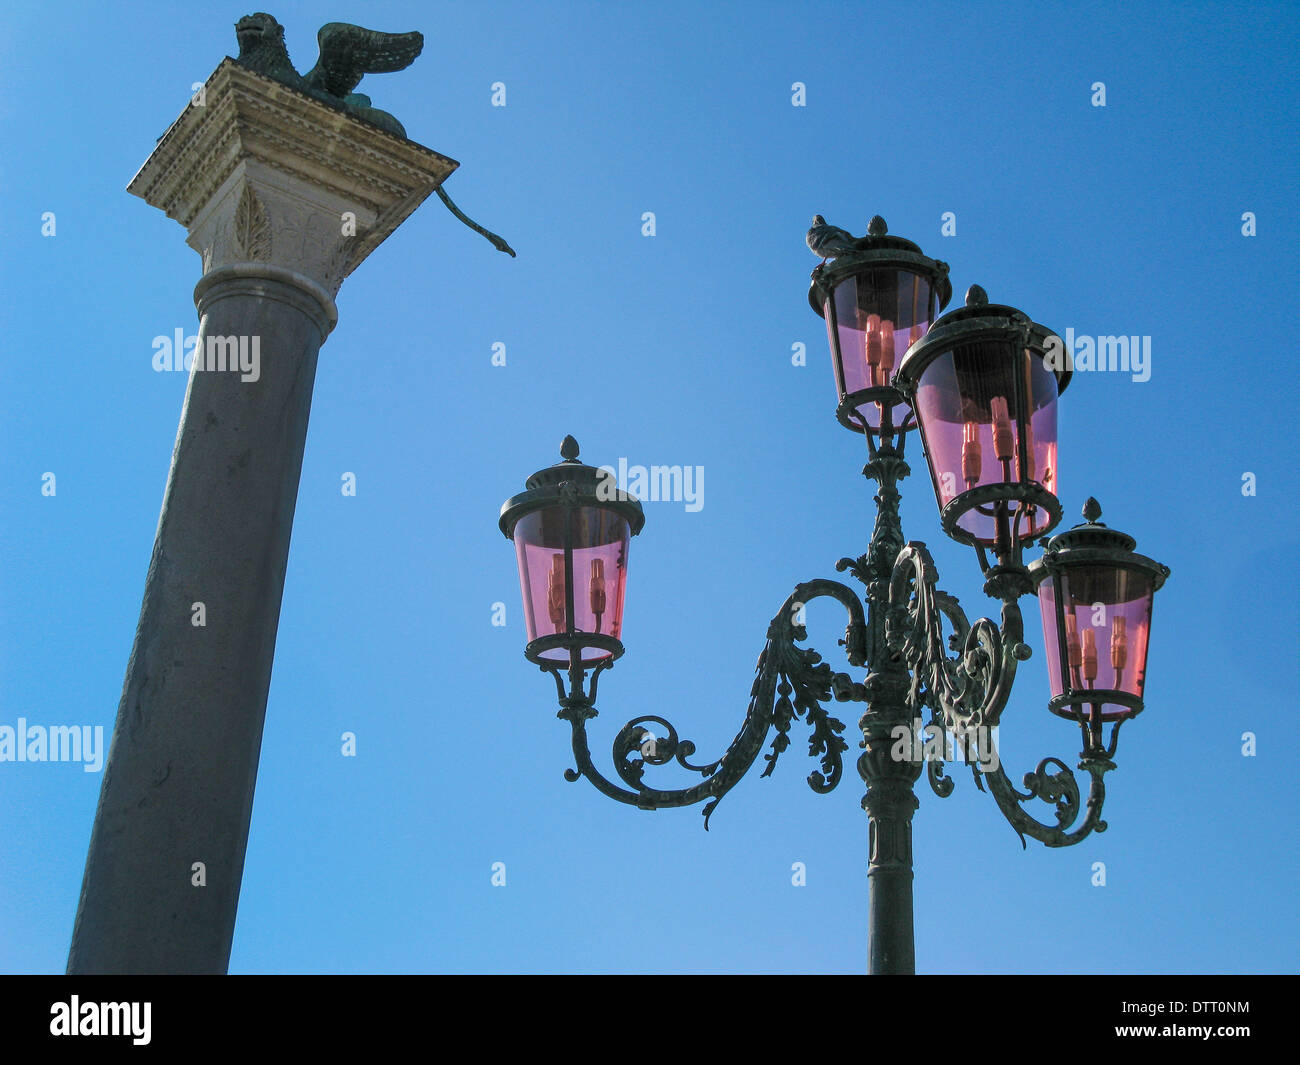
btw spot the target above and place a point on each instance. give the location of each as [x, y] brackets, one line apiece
[252, 231]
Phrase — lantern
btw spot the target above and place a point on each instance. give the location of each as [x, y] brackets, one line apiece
[878, 300]
[1095, 594]
[571, 528]
[985, 397]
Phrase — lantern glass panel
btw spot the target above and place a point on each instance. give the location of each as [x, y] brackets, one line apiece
[877, 316]
[968, 406]
[1106, 612]
[600, 543]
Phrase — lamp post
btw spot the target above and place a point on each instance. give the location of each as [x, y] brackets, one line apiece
[981, 384]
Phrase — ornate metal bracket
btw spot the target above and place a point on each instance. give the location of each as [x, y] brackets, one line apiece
[1059, 787]
[968, 692]
[792, 682]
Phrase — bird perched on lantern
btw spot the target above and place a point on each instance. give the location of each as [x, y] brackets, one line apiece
[828, 241]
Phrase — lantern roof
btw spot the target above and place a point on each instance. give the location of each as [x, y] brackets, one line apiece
[571, 482]
[1092, 542]
[978, 320]
[977, 305]
[878, 250]
[1092, 533]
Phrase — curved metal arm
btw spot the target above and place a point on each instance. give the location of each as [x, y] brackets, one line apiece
[1059, 787]
[784, 669]
[971, 690]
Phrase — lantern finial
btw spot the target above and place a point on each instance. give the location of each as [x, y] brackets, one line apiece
[976, 296]
[1091, 510]
[569, 449]
[876, 227]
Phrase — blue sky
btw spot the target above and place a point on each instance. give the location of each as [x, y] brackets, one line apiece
[673, 349]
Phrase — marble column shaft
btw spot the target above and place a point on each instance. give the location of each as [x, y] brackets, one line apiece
[282, 196]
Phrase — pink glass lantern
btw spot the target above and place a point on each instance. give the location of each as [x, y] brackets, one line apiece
[571, 528]
[985, 399]
[1096, 595]
[877, 300]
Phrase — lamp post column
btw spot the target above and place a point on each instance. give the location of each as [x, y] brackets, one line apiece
[282, 196]
[890, 801]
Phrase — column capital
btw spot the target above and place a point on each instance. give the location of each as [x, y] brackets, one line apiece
[258, 172]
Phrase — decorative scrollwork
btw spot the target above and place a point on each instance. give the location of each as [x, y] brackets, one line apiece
[791, 682]
[940, 783]
[655, 749]
[969, 690]
[1059, 787]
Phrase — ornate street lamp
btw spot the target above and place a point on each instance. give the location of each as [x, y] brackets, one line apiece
[979, 385]
[571, 528]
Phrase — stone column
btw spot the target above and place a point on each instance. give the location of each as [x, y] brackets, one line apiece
[283, 196]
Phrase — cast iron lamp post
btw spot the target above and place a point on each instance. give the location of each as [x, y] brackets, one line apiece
[981, 384]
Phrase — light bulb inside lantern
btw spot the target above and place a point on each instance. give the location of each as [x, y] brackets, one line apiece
[1089, 655]
[886, 350]
[1003, 437]
[596, 590]
[970, 454]
[555, 595]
